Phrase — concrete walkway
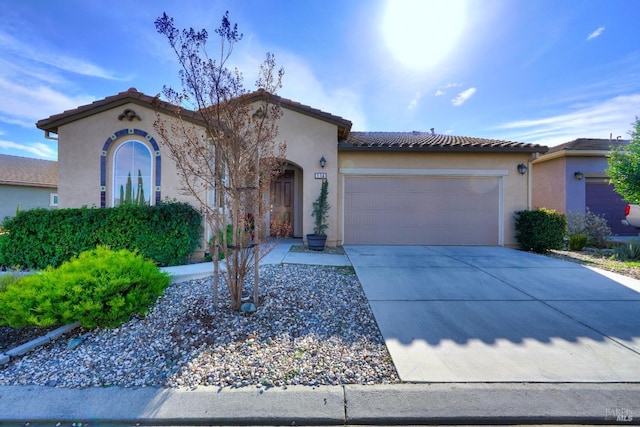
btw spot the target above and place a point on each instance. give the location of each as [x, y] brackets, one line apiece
[278, 255]
[493, 314]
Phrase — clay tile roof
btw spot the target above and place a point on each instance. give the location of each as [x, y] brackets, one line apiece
[427, 141]
[25, 171]
[344, 125]
[132, 95]
[52, 123]
[588, 144]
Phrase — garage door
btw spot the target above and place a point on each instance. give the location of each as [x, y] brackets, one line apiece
[422, 210]
[602, 200]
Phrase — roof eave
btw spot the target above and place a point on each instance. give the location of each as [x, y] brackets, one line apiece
[572, 153]
[28, 184]
[529, 150]
[52, 123]
[344, 125]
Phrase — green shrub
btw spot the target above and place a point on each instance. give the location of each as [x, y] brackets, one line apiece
[593, 226]
[577, 242]
[101, 287]
[6, 279]
[540, 230]
[628, 251]
[166, 233]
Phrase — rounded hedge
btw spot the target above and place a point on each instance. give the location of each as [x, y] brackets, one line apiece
[101, 287]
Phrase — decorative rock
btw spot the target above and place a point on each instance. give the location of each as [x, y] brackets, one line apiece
[248, 307]
[314, 327]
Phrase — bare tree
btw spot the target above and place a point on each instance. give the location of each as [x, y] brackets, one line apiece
[223, 141]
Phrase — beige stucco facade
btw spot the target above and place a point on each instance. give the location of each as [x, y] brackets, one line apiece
[308, 140]
[89, 135]
[80, 150]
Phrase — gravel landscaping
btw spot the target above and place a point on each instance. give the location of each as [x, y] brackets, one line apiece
[313, 327]
[600, 258]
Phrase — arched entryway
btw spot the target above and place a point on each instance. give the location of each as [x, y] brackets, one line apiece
[284, 200]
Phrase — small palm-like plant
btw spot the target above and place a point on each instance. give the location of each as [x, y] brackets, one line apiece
[318, 239]
[321, 210]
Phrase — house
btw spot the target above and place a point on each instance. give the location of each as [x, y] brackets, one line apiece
[384, 187]
[572, 177]
[26, 183]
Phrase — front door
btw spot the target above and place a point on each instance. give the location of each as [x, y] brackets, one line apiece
[282, 204]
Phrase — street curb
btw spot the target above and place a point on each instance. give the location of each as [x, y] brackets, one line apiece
[493, 403]
[397, 404]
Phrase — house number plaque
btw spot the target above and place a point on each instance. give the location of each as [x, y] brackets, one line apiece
[321, 175]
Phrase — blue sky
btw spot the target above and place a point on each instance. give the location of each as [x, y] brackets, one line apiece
[540, 71]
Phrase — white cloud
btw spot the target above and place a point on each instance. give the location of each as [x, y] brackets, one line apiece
[300, 84]
[415, 101]
[439, 93]
[18, 122]
[46, 54]
[612, 116]
[463, 96]
[38, 149]
[596, 33]
[22, 104]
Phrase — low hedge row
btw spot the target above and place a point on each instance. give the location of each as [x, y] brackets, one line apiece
[167, 233]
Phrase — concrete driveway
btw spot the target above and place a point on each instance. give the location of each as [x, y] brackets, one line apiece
[494, 314]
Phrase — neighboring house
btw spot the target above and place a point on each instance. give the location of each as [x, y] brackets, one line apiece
[384, 187]
[572, 177]
[26, 183]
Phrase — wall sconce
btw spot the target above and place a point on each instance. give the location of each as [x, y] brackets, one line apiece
[579, 175]
[323, 162]
[522, 168]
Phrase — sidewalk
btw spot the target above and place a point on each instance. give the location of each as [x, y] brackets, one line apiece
[408, 404]
[278, 255]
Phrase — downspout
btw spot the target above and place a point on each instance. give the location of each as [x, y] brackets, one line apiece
[47, 135]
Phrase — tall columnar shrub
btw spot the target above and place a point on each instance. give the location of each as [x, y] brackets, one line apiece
[100, 287]
[540, 230]
[167, 233]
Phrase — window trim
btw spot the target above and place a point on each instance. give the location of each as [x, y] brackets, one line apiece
[157, 189]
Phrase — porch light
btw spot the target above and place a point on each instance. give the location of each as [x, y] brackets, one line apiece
[522, 168]
[579, 175]
[323, 162]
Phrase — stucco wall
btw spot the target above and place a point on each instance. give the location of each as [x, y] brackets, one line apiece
[549, 184]
[308, 139]
[515, 185]
[555, 185]
[80, 145]
[25, 197]
[576, 188]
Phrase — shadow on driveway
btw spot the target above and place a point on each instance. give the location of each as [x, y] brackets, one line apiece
[497, 314]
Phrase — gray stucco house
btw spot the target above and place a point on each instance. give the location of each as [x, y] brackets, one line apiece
[27, 183]
[572, 177]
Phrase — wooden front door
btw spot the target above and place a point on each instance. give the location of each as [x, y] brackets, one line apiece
[282, 204]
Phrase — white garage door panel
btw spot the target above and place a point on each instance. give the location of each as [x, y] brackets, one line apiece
[423, 210]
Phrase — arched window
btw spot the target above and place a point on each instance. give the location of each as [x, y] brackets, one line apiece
[132, 174]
